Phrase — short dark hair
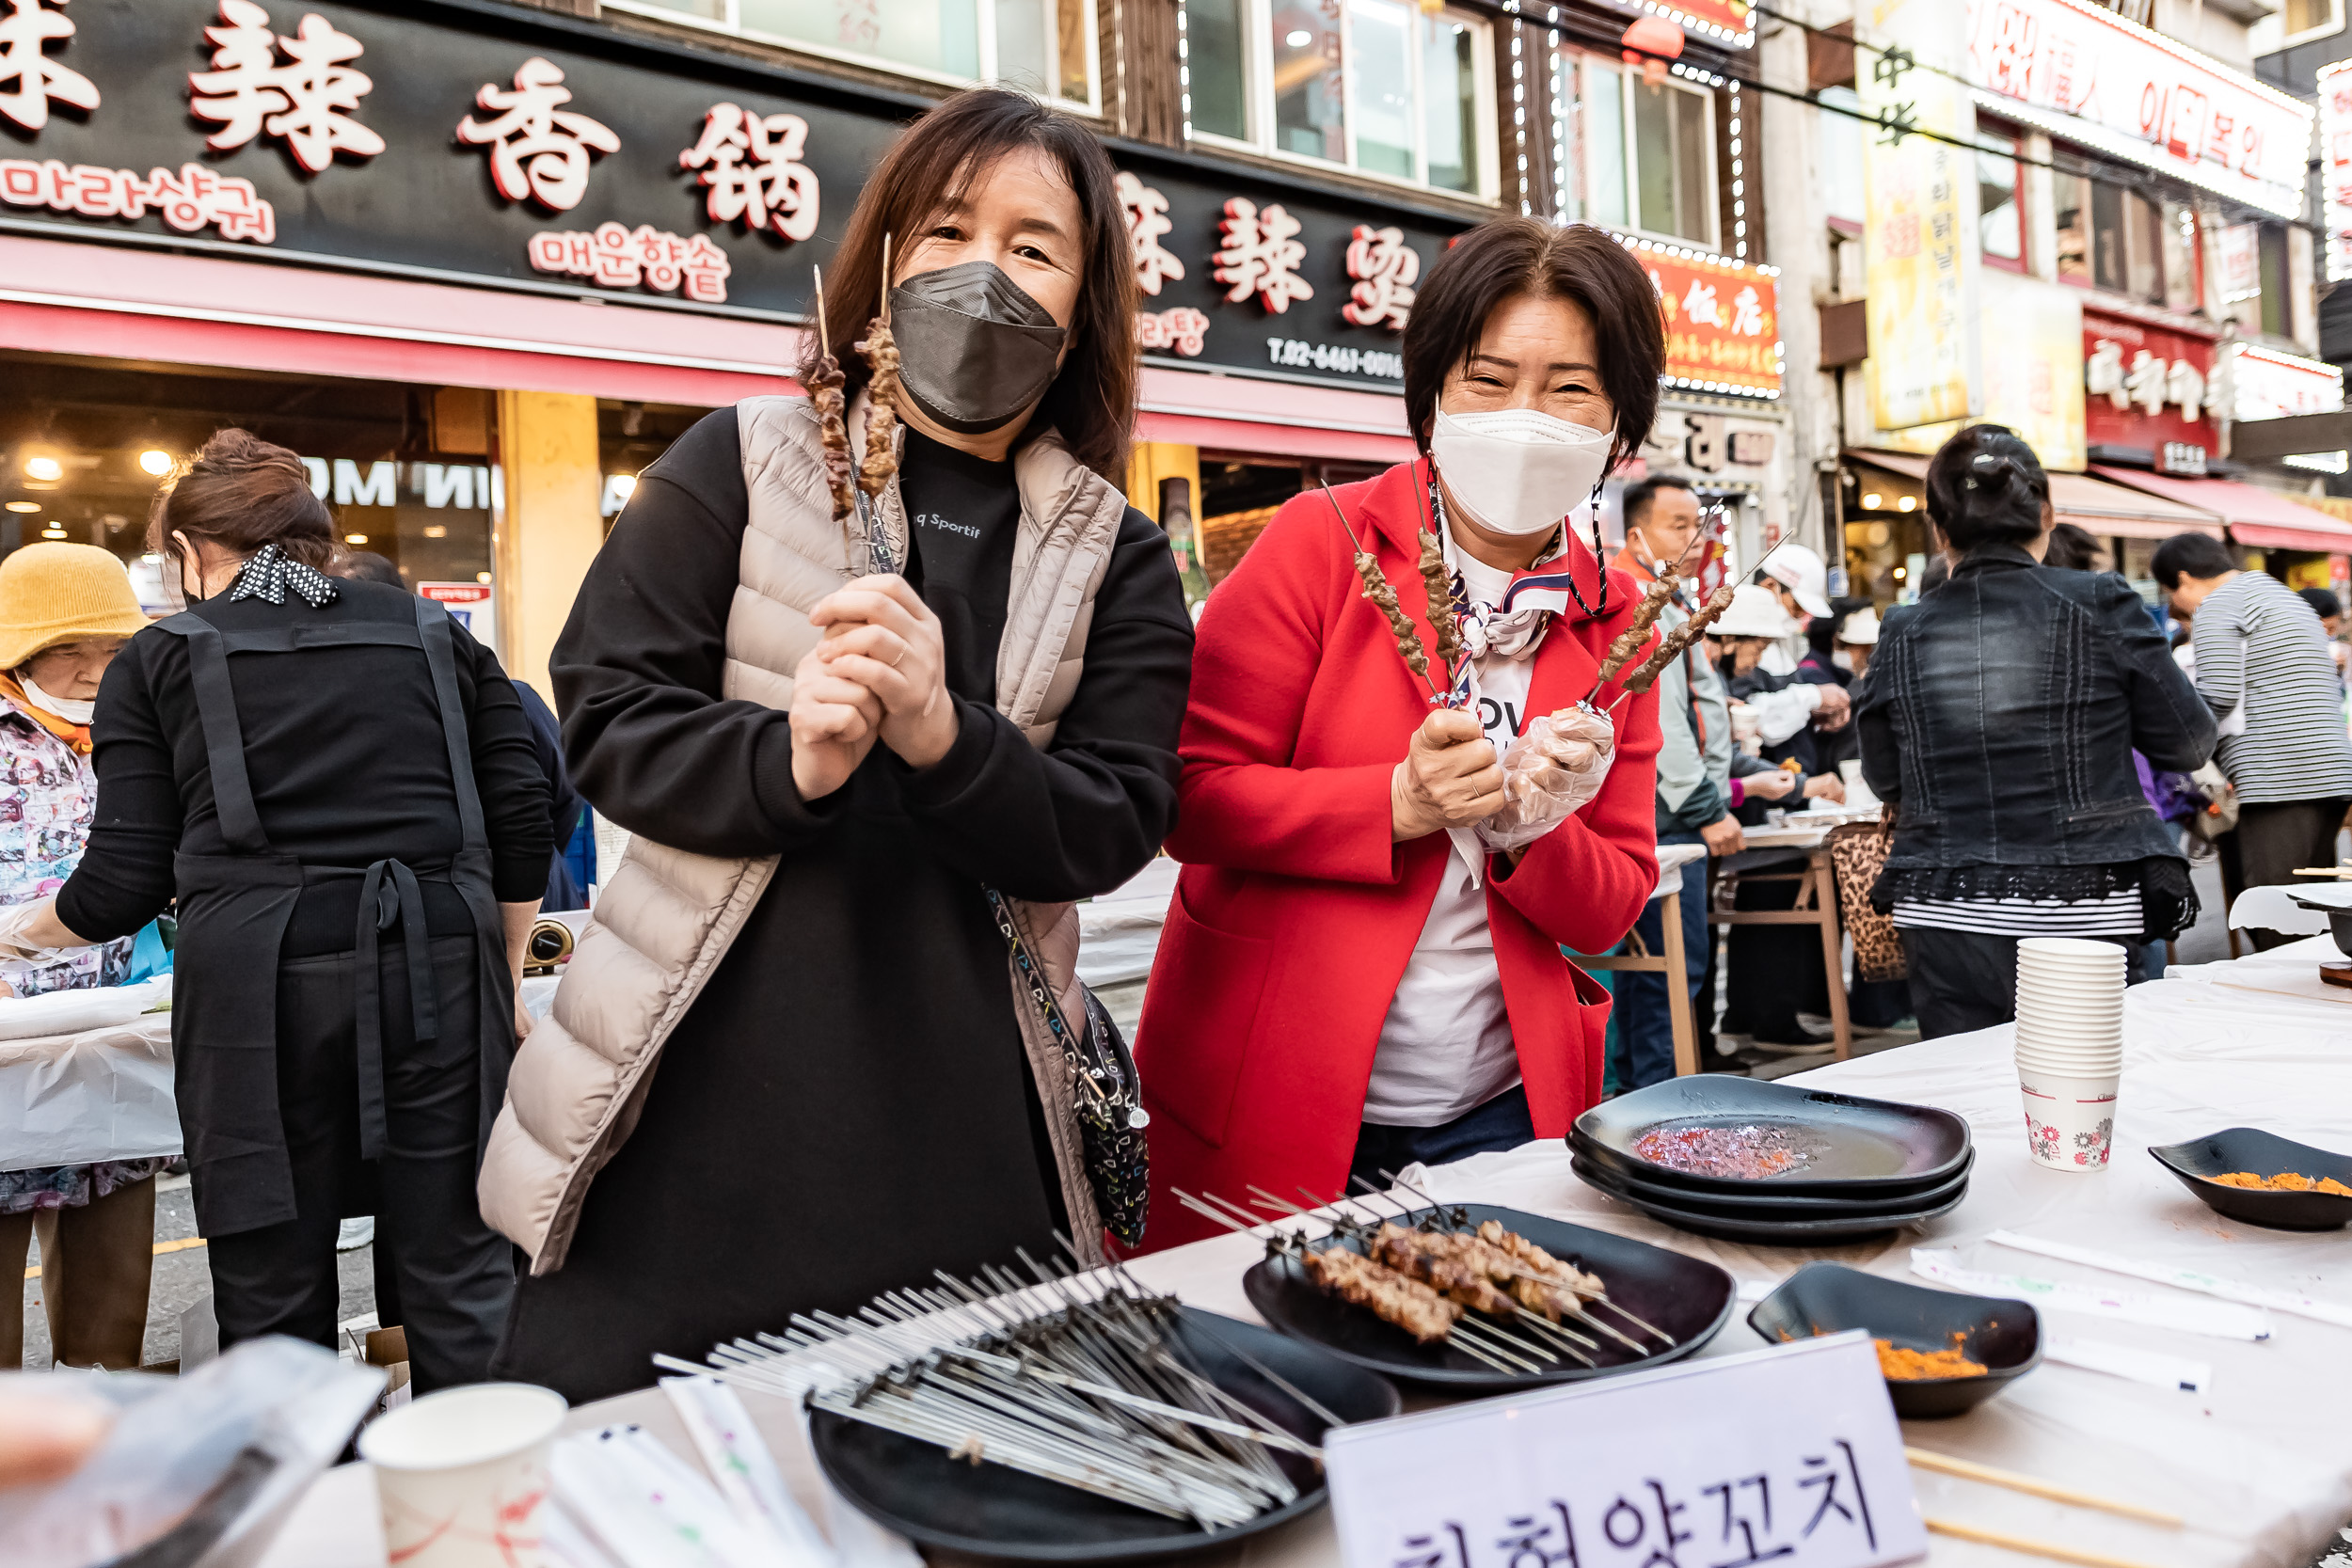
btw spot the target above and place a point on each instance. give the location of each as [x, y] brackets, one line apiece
[1639, 495]
[242, 492]
[1985, 486]
[2071, 548]
[1091, 403]
[2323, 603]
[2195, 554]
[1505, 257]
[368, 566]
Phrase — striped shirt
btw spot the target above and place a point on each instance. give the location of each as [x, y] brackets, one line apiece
[2263, 654]
[2113, 914]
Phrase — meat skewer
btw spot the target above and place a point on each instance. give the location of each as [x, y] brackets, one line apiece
[881, 351]
[825, 393]
[1382, 592]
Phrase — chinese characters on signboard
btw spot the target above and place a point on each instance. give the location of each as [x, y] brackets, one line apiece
[29, 76]
[1920, 231]
[2080, 71]
[1721, 318]
[2335, 166]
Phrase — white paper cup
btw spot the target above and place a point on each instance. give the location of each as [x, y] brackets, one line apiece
[2084, 949]
[2070, 1120]
[462, 1474]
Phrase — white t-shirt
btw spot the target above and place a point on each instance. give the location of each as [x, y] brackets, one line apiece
[1445, 1047]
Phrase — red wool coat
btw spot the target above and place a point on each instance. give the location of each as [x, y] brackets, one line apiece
[1296, 914]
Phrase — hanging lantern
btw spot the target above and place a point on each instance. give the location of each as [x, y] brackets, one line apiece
[1651, 41]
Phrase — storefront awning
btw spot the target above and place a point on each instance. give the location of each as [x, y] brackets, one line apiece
[140, 305]
[2091, 504]
[2255, 517]
[1279, 419]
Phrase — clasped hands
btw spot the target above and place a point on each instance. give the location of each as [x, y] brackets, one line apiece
[1451, 777]
[879, 675]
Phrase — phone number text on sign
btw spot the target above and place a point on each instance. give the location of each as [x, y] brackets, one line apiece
[1798, 1462]
[1297, 353]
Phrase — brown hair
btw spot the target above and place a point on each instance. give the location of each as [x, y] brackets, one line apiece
[241, 493]
[1091, 402]
[1505, 257]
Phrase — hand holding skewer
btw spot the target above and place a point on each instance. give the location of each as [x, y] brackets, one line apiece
[881, 637]
[1450, 777]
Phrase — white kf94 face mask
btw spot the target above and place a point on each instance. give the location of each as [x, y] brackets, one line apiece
[1515, 470]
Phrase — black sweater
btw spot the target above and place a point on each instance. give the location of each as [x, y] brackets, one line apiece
[344, 751]
[845, 1107]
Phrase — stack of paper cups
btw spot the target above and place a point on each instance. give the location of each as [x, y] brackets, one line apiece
[2069, 1047]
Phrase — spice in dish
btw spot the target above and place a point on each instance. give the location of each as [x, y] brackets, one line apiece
[1746, 1152]
[1901, 1364]
[2287, 1181]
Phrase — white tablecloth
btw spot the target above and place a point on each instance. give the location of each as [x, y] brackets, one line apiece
[2260, 1466]
[97, 1094]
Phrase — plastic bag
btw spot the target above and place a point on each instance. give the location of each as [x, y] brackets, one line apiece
[1556, 765]
[199, 1469]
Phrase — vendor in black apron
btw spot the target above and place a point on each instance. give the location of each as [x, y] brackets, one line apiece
[338, 784]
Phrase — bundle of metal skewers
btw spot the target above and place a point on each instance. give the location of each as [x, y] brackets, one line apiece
[1080, 1379]
[1485, 1291]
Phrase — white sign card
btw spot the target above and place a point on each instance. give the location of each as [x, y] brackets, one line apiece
[1788, 1455]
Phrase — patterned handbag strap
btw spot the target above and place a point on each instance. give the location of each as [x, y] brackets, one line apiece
[1114, 1098]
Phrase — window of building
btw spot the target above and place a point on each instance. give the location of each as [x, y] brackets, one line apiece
[2001, 215]
[1381, 85]
[1044, 46]
[1843, 194]
[1644, 156]
[2275, 319]
[2121, 241]
[2310, 19]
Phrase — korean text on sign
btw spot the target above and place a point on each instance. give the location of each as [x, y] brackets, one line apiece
[1797, 1462]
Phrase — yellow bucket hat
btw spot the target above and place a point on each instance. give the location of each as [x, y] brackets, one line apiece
[52, 594]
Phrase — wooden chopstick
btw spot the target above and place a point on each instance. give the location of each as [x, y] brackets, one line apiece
[2031, 1548]
[1927, 1459]
[2321, 871]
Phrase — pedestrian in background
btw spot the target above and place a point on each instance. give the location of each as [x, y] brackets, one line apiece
[2263, 667]
[336, 784]
[1662, 521]
[1999, 718]
[2331, 612]
[65, 609]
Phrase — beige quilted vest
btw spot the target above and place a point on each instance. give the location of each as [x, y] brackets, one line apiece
[665, 917]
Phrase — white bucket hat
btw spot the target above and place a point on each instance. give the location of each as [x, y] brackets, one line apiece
[1754, 613]
[1861, 629]
[1799, 570]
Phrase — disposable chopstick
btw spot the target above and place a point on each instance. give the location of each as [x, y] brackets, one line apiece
[2031, 1548]
[2322, 871]
[1927, 1459]
[2186, 1279]
[2221, 1320]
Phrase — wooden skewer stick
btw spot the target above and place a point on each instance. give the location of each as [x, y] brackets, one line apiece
[824, 337]
[1927, 1459]
[2323, 871]
[2031, 1548]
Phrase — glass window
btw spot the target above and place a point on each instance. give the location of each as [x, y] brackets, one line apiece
[2106, 237]
[941, 36]
[2143, 249]
[1021, 47]
[1304, 45]
[1217, 67]
[1036, 44]
[1603, 116]
[2311, 17]
[1673, 157]
[1383, 78]
[2072, 195]
[1843, 187]
[2273, 275]
[1448, 86]
[2001, 220]
[2177, 225]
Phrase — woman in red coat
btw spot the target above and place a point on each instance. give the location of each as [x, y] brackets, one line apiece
[1351, 978]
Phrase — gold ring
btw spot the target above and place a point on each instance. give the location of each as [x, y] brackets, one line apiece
[896, 662]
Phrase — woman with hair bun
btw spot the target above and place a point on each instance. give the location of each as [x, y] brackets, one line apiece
[338, 786]
[1999, 718]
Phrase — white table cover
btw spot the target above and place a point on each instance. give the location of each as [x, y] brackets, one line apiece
[102, 1093]
[2260, 1466]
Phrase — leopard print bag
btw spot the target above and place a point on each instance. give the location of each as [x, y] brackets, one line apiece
[1858, 853]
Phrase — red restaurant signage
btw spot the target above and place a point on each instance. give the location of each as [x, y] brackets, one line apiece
[2146, 386]
[1723, 318]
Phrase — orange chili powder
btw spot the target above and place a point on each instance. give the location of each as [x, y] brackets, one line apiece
[1900, 1365]
[2285, 1182]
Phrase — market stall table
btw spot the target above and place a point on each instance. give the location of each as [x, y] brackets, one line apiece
[1671, 857]
[2259, 1466]
[1796, 851]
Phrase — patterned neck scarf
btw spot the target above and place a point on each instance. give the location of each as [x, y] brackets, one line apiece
[269, 571]
[1488, 628]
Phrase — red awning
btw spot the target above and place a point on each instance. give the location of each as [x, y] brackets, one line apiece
[115, 302]
[2255, 517]
[1277, 418]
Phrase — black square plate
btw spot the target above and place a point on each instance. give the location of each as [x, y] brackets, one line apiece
[2249, 1148]
[1764, 1199]
[989, 1511]
[1687, 1297]
[1829, 1298]
[1773, 1231]
[1857, 1147]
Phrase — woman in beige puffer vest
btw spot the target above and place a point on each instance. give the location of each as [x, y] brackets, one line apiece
[789, 1067]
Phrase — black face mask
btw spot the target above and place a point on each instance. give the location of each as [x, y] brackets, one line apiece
[974, 350]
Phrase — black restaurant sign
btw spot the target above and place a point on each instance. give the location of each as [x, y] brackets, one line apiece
[458, 140]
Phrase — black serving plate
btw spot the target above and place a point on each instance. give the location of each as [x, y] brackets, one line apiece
[1761, 1228]
[2249, 1148]
[990, 1510]
[1830, 1298]
[1687, 1297]
[1862, 1147]
[1764, 1200]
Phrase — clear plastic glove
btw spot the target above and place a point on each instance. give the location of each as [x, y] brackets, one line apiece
[15, 920]
[1556, 765]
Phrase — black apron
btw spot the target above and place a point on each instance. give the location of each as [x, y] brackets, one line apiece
[233, 912]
